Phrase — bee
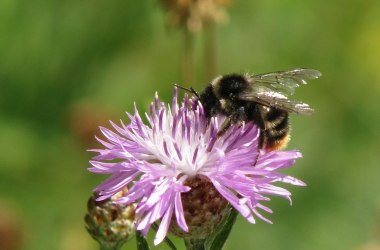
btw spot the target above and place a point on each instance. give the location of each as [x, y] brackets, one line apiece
[258, 98]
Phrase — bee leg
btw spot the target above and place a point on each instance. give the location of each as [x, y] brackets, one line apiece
[261, 142]
[263, 129]
[256, 159]
[239, 116]
[225, 126]
[236, 118]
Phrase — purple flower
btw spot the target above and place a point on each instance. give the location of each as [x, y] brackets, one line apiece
[156, 159]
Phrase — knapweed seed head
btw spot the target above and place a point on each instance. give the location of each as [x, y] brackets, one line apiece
[181, 172]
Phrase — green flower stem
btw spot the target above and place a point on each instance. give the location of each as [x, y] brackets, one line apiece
[217, 241]
[141, 242]
[195, 244]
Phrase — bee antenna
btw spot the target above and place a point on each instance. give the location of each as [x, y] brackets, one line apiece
[191, 90]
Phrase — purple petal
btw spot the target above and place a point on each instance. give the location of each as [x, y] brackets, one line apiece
[164, 225]
[179, 213]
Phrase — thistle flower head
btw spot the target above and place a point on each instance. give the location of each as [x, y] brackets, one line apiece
[178, 151]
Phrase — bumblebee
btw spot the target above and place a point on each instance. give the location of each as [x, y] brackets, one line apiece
[261, 98]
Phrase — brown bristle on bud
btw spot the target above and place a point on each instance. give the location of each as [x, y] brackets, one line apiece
[204, 209]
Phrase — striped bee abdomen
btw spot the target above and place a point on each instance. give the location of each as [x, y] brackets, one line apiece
[276, 129]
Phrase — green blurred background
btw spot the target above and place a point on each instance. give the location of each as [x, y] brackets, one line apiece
[68, 66]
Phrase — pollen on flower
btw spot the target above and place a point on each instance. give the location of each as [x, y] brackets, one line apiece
[180, 172]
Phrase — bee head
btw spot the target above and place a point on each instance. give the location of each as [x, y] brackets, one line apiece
[230, 86]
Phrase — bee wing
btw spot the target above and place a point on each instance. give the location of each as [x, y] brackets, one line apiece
[283, 81]
[276, 100]
[272, 89]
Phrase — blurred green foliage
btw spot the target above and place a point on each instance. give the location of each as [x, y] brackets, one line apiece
[68, 66]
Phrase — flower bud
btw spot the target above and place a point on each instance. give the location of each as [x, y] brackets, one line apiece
[108, 223]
